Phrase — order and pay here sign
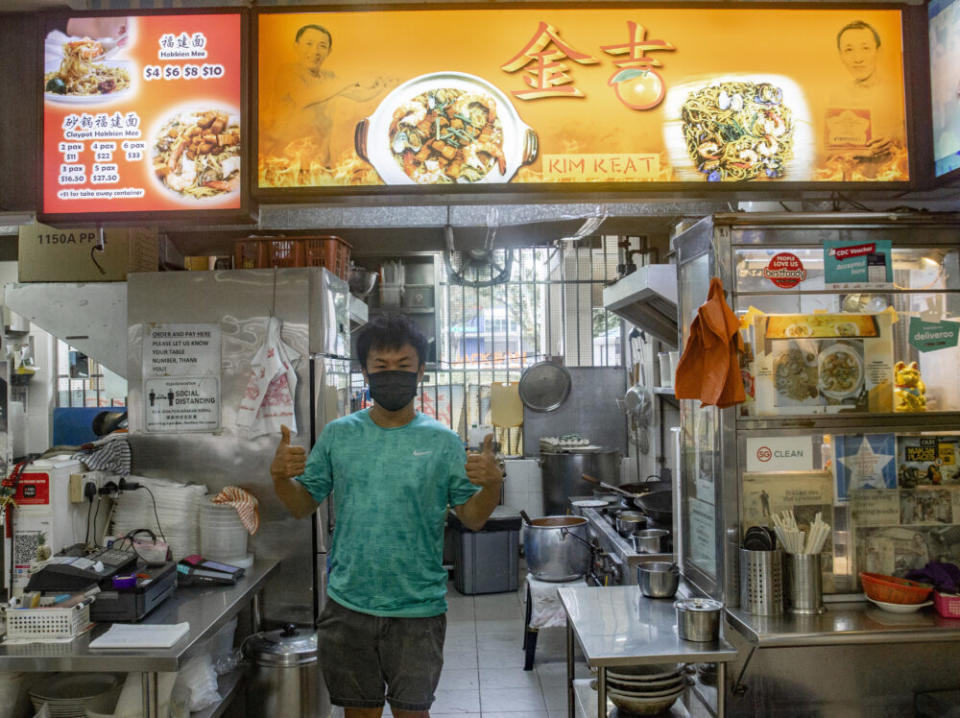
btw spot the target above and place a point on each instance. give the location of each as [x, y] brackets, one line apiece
[142, 113]
[478, 96]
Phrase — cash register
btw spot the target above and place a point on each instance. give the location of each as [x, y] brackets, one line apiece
[129, 588]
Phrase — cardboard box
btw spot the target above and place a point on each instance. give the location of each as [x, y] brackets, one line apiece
[48, 254]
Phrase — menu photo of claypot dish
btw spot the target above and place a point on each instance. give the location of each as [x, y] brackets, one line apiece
[196, 153]
[85, 74]
[821, 363]
[446, 128]
[738, 127]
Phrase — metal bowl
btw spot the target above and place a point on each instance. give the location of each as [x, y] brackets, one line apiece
[629, 522]
[649, 540]
[658, 579]
[643, 706]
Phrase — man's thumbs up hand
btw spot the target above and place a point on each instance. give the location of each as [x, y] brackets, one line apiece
[288, 461]
[483, 468]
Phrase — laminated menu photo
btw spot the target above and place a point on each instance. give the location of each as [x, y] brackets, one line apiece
[927, 460]
[822, 363]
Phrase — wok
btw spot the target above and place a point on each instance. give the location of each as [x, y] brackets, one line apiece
[658, 505]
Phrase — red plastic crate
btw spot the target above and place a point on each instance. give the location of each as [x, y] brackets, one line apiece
[264, 253]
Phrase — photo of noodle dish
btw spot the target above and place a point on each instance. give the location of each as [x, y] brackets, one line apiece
[840, 371]
[196, 154]
[738, 131]
[84, 76]
[448, 135]
[795, 373]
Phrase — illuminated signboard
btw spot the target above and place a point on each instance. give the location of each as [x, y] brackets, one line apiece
[945, 83]
[613, 95]
[142, 114]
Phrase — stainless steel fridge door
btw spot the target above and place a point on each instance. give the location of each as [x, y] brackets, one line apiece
[241, 303]
[329, 315]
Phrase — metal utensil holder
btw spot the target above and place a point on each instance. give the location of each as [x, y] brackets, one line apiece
[761, 582]
[804, 583]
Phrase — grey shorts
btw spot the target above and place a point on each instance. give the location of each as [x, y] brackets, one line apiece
[368, 659]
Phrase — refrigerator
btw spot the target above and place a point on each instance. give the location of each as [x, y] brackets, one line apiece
[220, 320]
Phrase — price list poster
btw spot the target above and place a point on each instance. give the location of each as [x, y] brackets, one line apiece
[142, 114]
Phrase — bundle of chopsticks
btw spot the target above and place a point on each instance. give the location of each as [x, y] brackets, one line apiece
[792, 538]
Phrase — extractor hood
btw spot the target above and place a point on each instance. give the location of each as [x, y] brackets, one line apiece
[647, 298]
[89, 316]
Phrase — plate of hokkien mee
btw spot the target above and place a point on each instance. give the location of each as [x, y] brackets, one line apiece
[84, 75]
[737, 128]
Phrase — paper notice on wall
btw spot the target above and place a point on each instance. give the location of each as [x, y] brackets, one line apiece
[182, 404]
[181, 350]
[875, 507]
[703, 536]
[803, 492]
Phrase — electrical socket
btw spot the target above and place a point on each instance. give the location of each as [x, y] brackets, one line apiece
[76, 489]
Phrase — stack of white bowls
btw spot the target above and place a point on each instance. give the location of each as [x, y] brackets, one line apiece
[646, 690]
[223, 537]
[69, 695]
[178, 509]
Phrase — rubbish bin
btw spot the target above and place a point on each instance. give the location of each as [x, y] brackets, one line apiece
[487, 561]
[284, 675]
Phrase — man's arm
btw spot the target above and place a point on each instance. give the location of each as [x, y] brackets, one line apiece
[288, 462]
[484, 471]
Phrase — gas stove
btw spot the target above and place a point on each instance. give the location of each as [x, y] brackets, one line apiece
[617, 561]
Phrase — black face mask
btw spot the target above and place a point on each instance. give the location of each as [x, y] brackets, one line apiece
[393, 390]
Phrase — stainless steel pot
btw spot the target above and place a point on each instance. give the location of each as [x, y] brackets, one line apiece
[561, 474]
[283, 675]
[649, 540]
[557, 547]
[658, 579]
[629, 522]
[698, 619]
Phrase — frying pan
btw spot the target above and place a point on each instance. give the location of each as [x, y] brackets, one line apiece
[658, 505]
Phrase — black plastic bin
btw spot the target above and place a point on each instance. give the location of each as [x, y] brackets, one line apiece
[487, 561]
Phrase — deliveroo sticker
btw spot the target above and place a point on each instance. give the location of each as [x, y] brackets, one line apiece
[930, 336]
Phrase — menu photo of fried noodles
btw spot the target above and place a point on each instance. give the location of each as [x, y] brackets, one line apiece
[197, 154]
[738, 130]
[447, 135]
[82, 73]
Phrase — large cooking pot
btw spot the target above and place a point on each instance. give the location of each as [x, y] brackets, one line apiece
[561, 474]
[557, 547]
[284, 676]
[372, 135]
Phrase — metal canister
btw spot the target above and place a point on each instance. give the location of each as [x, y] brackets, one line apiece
[698, 619]
[284, 675]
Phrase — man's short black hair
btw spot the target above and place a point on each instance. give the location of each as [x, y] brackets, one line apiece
[858, 25]
[391, 331]
[321, 28]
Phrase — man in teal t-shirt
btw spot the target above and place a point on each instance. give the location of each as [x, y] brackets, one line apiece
[394, 473]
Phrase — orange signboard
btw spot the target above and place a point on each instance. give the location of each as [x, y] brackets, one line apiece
[142, 114]
[580, 95]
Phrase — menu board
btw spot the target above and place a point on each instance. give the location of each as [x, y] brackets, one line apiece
[944, 16]
[438, 97]
[142, 114]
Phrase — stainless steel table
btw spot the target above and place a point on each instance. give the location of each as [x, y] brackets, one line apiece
[206, 609]
[618, 626]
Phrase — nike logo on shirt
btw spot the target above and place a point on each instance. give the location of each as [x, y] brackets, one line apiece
[422, 453]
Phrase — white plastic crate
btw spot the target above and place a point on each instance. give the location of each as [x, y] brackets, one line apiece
[40, 623]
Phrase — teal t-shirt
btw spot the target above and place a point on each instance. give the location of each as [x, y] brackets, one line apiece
[392, 488]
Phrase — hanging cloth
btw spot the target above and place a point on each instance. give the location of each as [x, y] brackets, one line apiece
[709, 368]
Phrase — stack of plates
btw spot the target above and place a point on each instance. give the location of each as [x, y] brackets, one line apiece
[69, 695]
[646, 690]
[178, 508]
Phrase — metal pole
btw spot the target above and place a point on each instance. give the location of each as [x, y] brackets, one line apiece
[570, 696]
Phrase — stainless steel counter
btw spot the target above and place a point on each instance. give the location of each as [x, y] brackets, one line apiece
[206, 609]
[618, 626]
[852, 623]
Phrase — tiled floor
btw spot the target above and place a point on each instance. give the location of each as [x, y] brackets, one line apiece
[483, 674]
